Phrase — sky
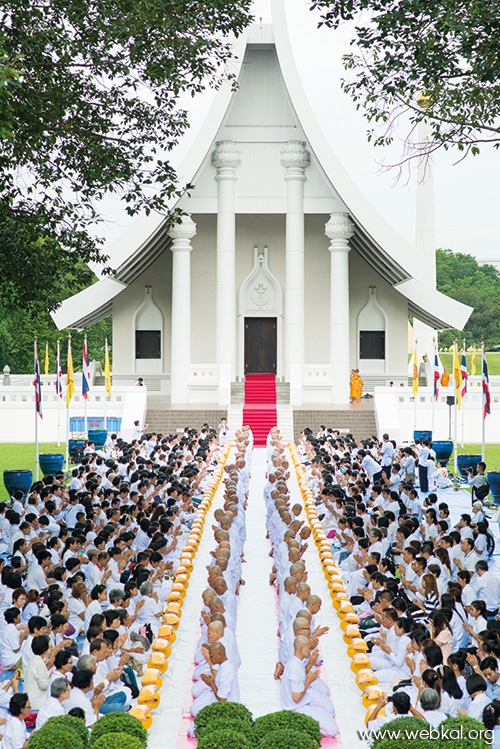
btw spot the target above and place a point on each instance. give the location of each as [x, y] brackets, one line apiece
[466, 194]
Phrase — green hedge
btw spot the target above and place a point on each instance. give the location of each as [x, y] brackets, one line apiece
[56, 737]
[285, 739]
[289, 721]
[226, 724]
[225, 740]
[76, 725]
[223, 711]
[118, 741]
[453, 733]
[118, 723]
[462, 733]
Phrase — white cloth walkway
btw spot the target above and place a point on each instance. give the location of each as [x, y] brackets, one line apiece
[349, 710]
[167, 717]
[257, 618]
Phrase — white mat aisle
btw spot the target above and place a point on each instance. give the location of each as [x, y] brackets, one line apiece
[257, 620]
[167, 717]
[346, 696]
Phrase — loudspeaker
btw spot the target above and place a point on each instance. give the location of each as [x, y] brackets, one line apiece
[450, 400]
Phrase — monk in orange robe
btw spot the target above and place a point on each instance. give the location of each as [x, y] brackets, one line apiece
[445, 379]
[356, 386]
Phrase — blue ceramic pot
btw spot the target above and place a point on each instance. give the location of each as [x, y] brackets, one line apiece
[422, 435]
[51, 462]
[18, 481]
[98, 437]
[466, 463]
[493, 478]
[443, 450]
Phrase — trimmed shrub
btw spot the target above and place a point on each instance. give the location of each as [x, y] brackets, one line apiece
[224, 740]
[415, 728]
[285, 739]
[287, 720]
[56, 737]
[118, 741]
[224, 711]
[225, 724]
[462, 733]
[70, 723]
[118, 723]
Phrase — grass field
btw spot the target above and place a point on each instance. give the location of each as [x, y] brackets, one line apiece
[493, 361]
[19, 456]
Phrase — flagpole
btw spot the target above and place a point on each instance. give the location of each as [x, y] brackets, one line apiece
[483, 404]
[455, 427]
[58, 397]
[463, 400]
[68, 400]
[415, 387]
[433, 388]
[37, 459]
[105, 388]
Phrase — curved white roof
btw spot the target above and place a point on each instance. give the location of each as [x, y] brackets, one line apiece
[385, 250]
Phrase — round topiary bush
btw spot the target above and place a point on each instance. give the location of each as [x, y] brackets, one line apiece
[224, 711]
[289, 721]
[285, 739]
[118, 723]
[224, 740]
[56, 737]
[226, 724]
[70, 723]
[411, 733]
[461, 733]
[118, 741]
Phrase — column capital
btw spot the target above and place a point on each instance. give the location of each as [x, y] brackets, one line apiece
[339, 230]
[182, 233]
[226, 157]
[295, 158]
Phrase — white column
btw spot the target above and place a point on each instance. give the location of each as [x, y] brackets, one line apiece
[181, 235]
[226, 159]
[295, 158]
[339, 230]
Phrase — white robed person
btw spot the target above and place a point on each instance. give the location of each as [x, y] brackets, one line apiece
[296, 693]
[222, 681]
[52, 707]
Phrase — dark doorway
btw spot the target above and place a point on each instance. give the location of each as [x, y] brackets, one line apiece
[372, 344]
[148, 344]
[260, 345]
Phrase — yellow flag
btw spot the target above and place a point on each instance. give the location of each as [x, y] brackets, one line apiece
[415, 372]
[47, 358]
[457, 376]
[70, 390]
[107, 371]
[473, 363]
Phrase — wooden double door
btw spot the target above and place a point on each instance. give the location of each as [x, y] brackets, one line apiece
[261, 345]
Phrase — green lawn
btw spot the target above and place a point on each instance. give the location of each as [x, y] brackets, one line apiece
[492, 454]
[21, 456]
[493, 361]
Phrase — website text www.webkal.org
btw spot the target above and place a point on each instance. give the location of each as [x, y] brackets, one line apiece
[432, 734]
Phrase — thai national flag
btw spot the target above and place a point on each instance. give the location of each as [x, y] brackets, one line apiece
[436, 372]
[38, 384]
[59, 387]
[85, 372]
[486, 387]
[463, 370]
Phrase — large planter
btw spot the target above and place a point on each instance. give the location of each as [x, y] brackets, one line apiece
[493, 478]
[50, 463]
[18, 481]
[98, 437]
[466, 463]
[443, 450]
[76, 448]
[422, 434]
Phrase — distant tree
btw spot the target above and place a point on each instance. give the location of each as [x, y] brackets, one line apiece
[90, 105]
[449, 50]
[461, 277]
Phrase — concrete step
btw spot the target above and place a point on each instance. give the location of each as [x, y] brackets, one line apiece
[169, 421]
[361, 424]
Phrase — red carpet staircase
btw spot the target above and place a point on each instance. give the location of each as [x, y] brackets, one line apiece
[259, 412]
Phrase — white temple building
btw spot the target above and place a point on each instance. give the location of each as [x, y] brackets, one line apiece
[280, 264]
